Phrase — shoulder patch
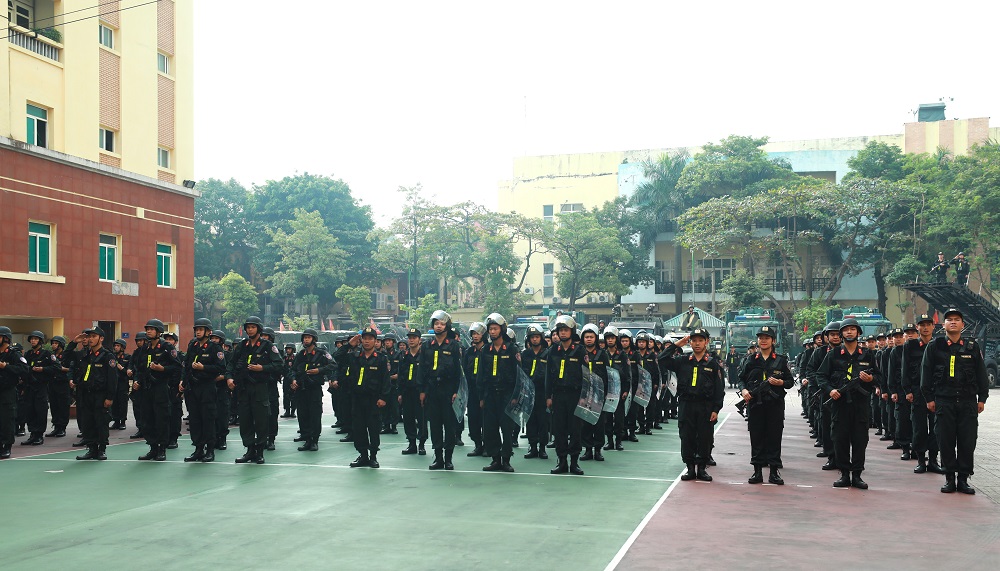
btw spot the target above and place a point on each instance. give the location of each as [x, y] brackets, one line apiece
[274, 348]
[221, 356]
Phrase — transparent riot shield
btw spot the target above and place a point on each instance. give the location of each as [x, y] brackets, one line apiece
[614, 390]
[645, 389]
[672, 383]
[591, 397]
[522, 399]
[462, 400]
[628, 402]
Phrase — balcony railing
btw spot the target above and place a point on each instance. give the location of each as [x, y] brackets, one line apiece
[774, 285]
[28, 40]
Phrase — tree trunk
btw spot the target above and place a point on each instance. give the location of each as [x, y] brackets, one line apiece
[880, 289]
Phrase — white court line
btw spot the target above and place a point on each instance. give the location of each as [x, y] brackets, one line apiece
[642, 524]
[343, 467]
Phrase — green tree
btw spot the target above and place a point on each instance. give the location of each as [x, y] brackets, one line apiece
[735, 166]
[240, 300]
[299, 323]
[207, 292]
[358, 300]
[273, 206]
[223, 228]
[877, 160]
[420, 315]
[907, 270]
[589, 257]
[743, 290]
[310, 259]
[812, 317]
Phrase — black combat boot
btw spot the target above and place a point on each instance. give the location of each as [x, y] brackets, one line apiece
[921, 465]
[477, 450]
[574, 466]
[906, 454]
[830, 464]
[56, 433]
[532, 451]
[690, 474]
[963, 485]
[259, 454]
[347, 438]
[221, 444]
[313, 445]
[300, 438]
[448, 455]
[305, 444]
[151, 454]
[411, 448]
[100, 453]
[4, 451]
[857, 482]
[894, 446]
[138, 434]
[505, 464]
[361, 461]
[561, 467]
[373, 459]
[270, 443]
[197, 455]
[438, 460]
[949, 483]
[247, 456]
[610, 445]
[421, 451]
[542, 454]
[91, 453]
[775, 478]
[587, 455]
[618, 444]
[758, 475]
[598, 455]
[161, 454]
[494, 466]
[844, 481]
[703, 474]
[80, 443]
[172, 445]
[933, 466]
[711, 461]
[209, 454]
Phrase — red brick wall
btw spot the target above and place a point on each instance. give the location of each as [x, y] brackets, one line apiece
[80, 204]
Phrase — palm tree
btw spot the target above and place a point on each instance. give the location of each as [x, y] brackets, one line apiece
[659, 201]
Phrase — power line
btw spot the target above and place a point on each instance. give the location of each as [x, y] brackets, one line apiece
[78, 10]
[10, 35]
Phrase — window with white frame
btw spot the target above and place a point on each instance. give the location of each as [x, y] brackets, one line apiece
[39, 248]
[547, 213]
[106, 36]
[164, 265]
[108, 262]
[107, 140]
[548, 280]
[163, 63]
[38, 126]
[163, 158]
[567, 208]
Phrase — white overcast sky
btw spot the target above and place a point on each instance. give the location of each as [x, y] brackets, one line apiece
[390, 94]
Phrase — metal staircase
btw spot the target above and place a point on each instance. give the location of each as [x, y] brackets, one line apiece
[976, 308]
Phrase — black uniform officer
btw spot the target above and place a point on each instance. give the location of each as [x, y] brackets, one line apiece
[95, 383]
[369, 380]
[408, 381]
[470, 365]
[496, 382]
[287, 394]
[312, 367]
[131, 372]
[848, 375]
[204, 361]
[894, 373]
[440, 371]
[887, 409]
[12, 367]
[274, 399]
[700, 393]
[924, 440]
[961, 269]
[390, 412]
[953, 382]
[533, 363]
[252, 369]
[940, 269]
[633, 358]
[615, 421]
[156, 367]
[222, 393]
[825, 410]
[176, 398]
[764, 379]
[650, 418]
[592, 436]
[59, 398]
[119, 410]
[43, 369]
[341, 395]
[563, 387]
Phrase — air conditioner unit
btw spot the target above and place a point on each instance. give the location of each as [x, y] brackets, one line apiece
[602, 298]
[556, 300]
[529, 290]
[591, 299]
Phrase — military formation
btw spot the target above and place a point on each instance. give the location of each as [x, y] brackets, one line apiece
[579, 391]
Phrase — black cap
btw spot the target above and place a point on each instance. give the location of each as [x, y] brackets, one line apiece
[769, 331]
[909, 327]
[369, 331]
[97, 330]
[413, 332]
[170, 335]
[954, 311]
[924, 317]
[700, 333]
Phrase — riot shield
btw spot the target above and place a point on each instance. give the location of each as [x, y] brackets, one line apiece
[463, 396]
[591, 397]
[614, 390]
[522, 400]
[672, 383]
[645, 389]
[628, 402]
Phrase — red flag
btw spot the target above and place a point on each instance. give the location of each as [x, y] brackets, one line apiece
[805, 327]
[373, 326]
[329, 325]
[935, 317]
[281, 326]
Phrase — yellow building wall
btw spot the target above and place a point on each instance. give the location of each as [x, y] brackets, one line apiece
[590, 179]
[70, 88]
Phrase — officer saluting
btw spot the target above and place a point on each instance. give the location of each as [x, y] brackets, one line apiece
[764, 379]
[369, 380]
[700, 393]
[847, 375]
[953, 383]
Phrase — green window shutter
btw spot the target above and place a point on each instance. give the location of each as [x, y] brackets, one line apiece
[43, 255]
[103, 269]
[32, 253]
[31, 130]
[37, 112]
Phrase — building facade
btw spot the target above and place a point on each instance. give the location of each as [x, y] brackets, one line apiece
[96, 166]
